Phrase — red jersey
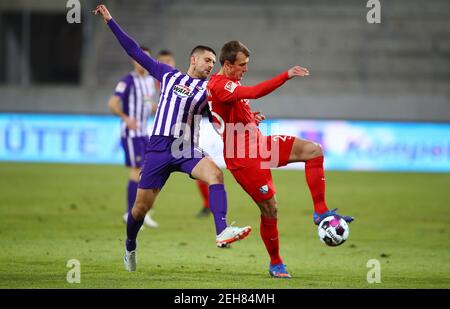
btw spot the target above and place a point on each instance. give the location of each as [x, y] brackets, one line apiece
[230, 108]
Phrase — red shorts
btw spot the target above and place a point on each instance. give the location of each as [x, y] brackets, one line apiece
[255, 176]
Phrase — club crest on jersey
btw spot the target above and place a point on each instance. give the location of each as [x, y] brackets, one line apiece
[264, 189]
[182, 91]
[121, 86]
[230, 86]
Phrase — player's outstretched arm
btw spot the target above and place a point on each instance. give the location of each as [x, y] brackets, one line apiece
[155, 68]
[266, 87]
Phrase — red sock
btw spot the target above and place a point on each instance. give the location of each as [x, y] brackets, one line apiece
[203, 187]
[269, 234]
[315, 178]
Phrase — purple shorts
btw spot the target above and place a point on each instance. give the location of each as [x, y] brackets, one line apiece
[134, 148]
[162, 157]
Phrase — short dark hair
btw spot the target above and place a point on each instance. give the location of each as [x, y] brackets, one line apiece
[202, 48]
[230, 50]
[165, 52]
[145, 48]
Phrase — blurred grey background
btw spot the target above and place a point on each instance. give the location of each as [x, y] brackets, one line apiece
[396, 70]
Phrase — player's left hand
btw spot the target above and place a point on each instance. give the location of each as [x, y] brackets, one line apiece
[102, 10]
[259, 117]
[298, 71]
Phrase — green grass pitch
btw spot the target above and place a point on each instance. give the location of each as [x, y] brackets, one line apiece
[51, 213]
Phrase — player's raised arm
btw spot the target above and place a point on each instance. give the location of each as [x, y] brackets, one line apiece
[235, 91]
[266, 87]
[155, 68]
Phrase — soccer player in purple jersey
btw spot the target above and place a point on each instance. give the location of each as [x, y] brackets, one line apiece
[166, 56]
[135, 92]
[173, 145]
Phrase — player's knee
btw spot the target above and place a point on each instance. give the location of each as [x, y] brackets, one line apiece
[272, 212]
[138, 212]
[216, 176]
[268, 209]
[318, 150]
[314, 151]
[140, 209]
[269, 212]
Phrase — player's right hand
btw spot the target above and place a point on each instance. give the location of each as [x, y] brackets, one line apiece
[298, 71]
[131, 123]
[258, 117]
[101, 9]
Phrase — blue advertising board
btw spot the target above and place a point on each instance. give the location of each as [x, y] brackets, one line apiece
[348, 145]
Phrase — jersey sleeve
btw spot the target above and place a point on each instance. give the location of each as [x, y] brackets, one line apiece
[229, 91]
[154, 67]
[123, 88]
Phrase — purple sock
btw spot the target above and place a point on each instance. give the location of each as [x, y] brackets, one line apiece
[131, 195]
[133, 227]
[218, 206]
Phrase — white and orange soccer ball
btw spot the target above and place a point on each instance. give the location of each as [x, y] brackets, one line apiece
[333, 231]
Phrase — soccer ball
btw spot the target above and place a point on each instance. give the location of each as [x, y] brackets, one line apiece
[333, 231]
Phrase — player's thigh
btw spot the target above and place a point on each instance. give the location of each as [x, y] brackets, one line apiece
[256, 182]
[155, 170]
[303, 150]
[134, 173]
[207, 171]
[280, 149]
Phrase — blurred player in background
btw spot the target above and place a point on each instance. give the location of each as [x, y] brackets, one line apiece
[173, 145]
[230, 105]
[166, 56]
[132, 103]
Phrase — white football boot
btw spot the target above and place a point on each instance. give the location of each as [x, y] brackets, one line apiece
[129, 260]
[231, 234]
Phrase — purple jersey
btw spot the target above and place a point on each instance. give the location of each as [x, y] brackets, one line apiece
[136, 92]
[182, 99]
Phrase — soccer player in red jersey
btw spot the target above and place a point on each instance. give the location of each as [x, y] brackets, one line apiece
[249, 154]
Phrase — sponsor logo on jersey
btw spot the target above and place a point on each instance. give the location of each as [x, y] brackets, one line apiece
[230, 86]
[264, 189]
[182, 91]
[199, 88]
